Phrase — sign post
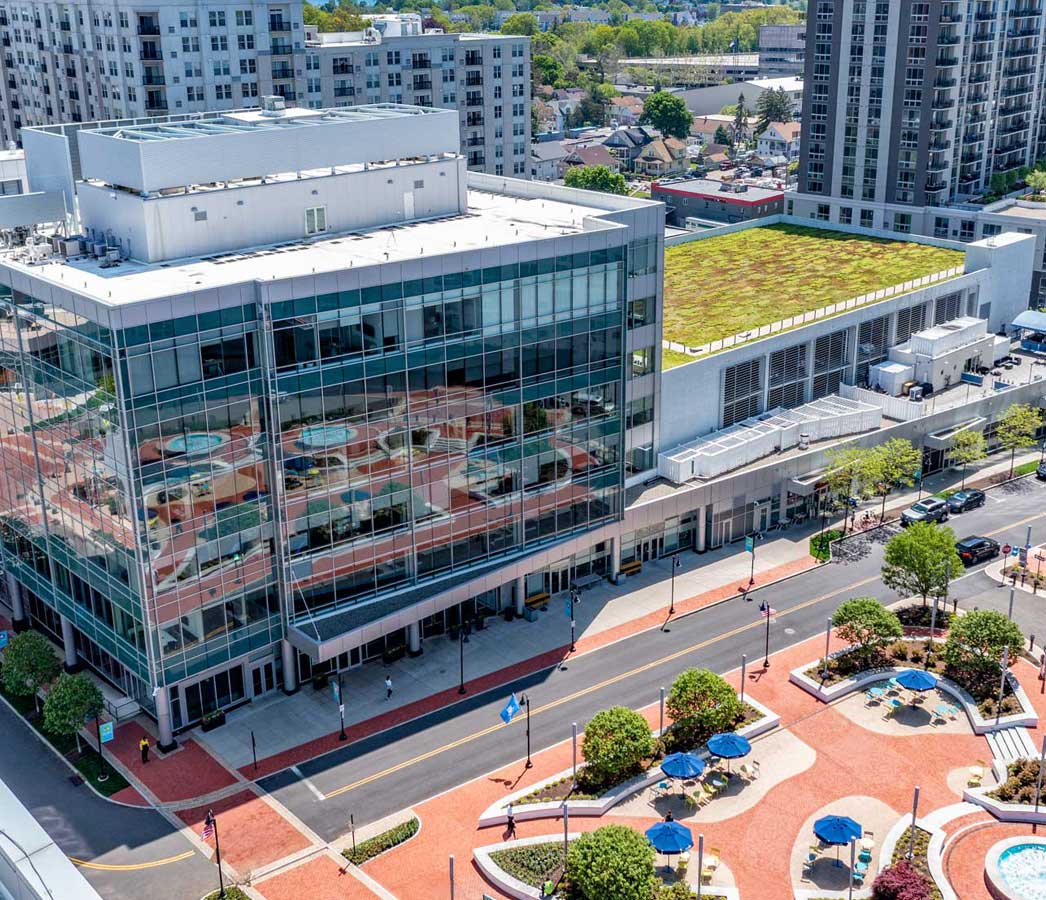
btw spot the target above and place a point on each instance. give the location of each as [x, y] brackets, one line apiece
[750, 547]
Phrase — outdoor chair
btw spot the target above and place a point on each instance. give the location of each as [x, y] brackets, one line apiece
[858, 878]
[974, 780]
[700, 798]
[712, 858]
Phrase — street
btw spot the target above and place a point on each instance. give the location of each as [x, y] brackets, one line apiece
[405, 765]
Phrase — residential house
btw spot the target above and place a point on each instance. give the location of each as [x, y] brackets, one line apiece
[546, 160]
[780, 139]
[661, 157]
[592, 155]
[705, 127]
[713, 155]
[626, 110]
[627, 143]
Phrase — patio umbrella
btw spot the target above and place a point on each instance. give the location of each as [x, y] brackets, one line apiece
[670, 837]
[837, 830]
[917, 680]
[682, 765]
[729, 746]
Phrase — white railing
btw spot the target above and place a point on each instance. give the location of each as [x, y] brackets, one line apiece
[900, 408]
[813, 315]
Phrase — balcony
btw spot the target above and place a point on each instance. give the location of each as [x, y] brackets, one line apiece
[148, 28]
[342, 69]
[970, 139]
[947, 62]
[935, 187]
[472, 58]
[945, 83]
[12, 84]
[344, 92]
[289, 96]
[941, 124]
[1012, 129]
[421, 84]
[939, 165]
[70, 72]
[475, 142]
[157, 105]
[940, 145]
[278, 26]
[68, 49]
[474, 120]
[477, 159]
[282, 72]
[420, 61]
[473, 79]
[981, 36]
[150, 54]
[474, 100]
[942, 103]
[281, 48]
[151, 79]
[947, 40]
[73, 94]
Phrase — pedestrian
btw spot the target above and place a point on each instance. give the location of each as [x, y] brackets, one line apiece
[549, 889]
[669, 817]
[511, 822]
[143, 746]
[388, 687]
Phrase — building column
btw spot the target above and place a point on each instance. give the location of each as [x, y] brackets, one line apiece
[72, 664]
[165, 741]
[520, 595]
[615, 559]
[414, 639]
[14, 595]
[783, 514]
[290, 667]
[700, 544]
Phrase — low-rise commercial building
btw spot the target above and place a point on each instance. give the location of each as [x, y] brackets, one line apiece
[721, 202]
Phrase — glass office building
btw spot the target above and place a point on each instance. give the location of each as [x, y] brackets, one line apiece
[192, 478]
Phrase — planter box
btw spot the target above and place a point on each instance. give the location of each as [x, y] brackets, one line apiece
[212, 722]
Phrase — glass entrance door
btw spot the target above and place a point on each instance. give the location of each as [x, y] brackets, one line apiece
[263, 679]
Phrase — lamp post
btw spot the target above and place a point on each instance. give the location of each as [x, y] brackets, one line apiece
[526, 699]
[462, 638]
[766, 609]
[1002, 681]
[744, 673]
[827, 648]
[342, 736]
[661, 716]
[675, 565]
[1038, 781]
[575, 597]
[911, 831]
[573, 739]
[853, 859]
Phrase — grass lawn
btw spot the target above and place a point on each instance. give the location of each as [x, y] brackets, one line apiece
[725, 285]
[672, 358]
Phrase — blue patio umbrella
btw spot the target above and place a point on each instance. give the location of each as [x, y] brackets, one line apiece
[670, 837]
[837, 830]
[729, 745]
[682, 765]
[917, 680]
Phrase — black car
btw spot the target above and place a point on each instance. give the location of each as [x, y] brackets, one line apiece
[1040, 472]
[973, 550]
[961, 501]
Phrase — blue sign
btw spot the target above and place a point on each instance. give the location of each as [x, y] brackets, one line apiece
[105, 732]
[750, 544]
[568, 607]
[336, 691]
[917, 474]
[3, 639]
[1016, 551]
[510, 710]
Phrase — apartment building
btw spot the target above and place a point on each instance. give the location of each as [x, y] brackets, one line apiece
[268, 430]
[95, 61]
[911, 108]
[486, 77]
[782, 49]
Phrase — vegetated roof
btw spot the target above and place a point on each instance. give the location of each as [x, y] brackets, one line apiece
[728, 284]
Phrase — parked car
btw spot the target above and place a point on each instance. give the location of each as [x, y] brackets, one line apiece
[931, 509]
[1040, 472]
[961, 501]
[973, 549]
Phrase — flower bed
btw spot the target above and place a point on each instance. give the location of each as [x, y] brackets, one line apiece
[920, 860]
[919, 616]
[533, 864]
[1019, 786]
[378, 844]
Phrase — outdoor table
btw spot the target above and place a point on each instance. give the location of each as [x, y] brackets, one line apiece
[867, 843]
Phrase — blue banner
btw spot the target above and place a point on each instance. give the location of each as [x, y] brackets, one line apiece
[105, 732]
[510, 710]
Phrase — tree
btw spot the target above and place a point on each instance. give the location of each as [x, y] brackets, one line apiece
[901, 882]
[701, 703]
[29, 664]
[741, 120]
[892, 463]
[668, 114]
[71, 701]
[611, 863]
[1036, 181]
[722, 136]
[967, 447]
[865, 624]
[998, 183]
[1017, 427]
[918, 560]
[772, 106]
[596, 178]
[546, 69]
[616, 741]
[977, 640]
[520, 23]
[848, 473]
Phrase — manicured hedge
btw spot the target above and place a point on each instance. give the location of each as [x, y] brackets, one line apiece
[532, 864]
[378, 844]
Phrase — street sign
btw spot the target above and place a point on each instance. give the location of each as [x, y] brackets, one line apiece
[1015, 551]
[1006, 548]
[510, 710]
[566, 607]
[3, 639]
[1023, 554]
[750, 543]
[105, 732]
[336, 691]
[341, 708]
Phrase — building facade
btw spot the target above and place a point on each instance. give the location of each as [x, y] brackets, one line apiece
[111, 60]
[911, 109]
[782, 49]
[255, 427]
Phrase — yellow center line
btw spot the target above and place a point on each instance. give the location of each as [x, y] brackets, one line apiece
[1014, 525]
[631, 673]
[132, 867]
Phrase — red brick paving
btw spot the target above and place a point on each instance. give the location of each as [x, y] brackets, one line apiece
[318, 879]
[188, 772]
[964, 858]
[360, 730]
[251, 832]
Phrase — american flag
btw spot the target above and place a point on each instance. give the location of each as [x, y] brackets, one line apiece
[208, 826]
[767, 610]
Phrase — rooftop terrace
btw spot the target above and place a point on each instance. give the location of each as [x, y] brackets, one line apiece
[729, 284]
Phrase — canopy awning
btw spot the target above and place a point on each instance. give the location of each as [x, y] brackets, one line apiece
[1031, 319]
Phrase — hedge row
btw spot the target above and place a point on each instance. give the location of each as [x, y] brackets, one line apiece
[378, 844]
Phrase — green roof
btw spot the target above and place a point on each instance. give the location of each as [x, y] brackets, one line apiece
[732, 283]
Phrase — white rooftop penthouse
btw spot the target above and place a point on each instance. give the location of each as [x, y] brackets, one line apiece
[243, 179]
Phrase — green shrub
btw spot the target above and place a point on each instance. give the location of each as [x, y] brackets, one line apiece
[378, 844]
[231, 893]
[819, 544]
[611, 863]
[865, 624]
[616, 741]
[701, 703]
[533, 864]
[976, 642]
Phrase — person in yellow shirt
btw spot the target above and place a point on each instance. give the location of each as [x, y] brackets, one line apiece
[143, 746]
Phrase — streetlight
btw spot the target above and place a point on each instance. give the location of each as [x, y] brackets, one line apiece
[575, 597]
[463, 639]
[675, 565]
[767, 611]
[342, 736]
[525, 698]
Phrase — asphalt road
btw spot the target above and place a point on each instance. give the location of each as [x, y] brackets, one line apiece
[89, 828]
[405, 765]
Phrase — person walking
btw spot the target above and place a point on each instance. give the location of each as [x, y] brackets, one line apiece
[388, 687]
[511, 823]
[143, 746]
